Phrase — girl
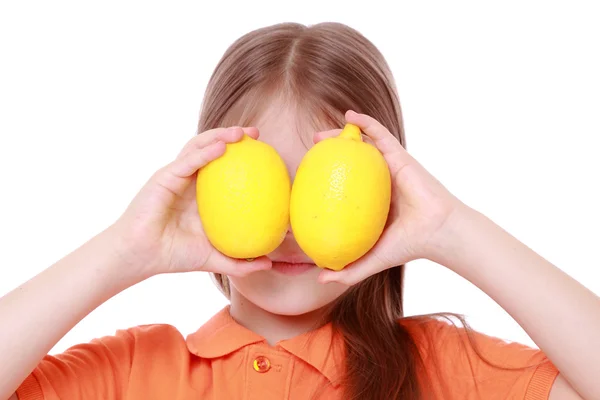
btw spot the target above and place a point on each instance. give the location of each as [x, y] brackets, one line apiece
[293, 331]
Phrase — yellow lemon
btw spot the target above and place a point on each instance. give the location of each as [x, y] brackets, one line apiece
[340, 199]
[243, 199]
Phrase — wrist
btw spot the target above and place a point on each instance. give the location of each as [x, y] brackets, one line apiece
[452, 239]
[121, 264]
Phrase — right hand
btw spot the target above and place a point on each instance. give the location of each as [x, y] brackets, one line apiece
[161, 232]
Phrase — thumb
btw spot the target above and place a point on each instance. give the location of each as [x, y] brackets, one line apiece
[385, 254]
[353, 273]
[219, 263]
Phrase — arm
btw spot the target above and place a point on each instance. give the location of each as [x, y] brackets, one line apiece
[562, 390]
[56, 300]
[427, 221]
[160, 232]
[558, 313]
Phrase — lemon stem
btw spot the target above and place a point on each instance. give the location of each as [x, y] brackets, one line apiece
[352, 132]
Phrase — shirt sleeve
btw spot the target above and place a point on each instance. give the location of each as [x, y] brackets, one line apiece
[96, 370]
[466, 364]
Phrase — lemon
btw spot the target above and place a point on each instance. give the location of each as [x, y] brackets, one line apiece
[243, 199]
[340, 199]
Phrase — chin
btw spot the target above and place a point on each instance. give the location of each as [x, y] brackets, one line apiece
[289, 308]
[287, 295]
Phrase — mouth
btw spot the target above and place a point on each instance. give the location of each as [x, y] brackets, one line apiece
[292, 268]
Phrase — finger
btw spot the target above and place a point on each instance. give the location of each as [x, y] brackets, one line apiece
[201, 140]
[390, 147]
[219, 263]
[227, 135]
[176, 176]
[354, 272]
[239, 132]
[380, 134]
[376, 260]
[318, 136]
[187, 165]
[251, 131]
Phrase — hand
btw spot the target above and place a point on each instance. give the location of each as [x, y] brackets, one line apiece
[421, 208]
[161, 232]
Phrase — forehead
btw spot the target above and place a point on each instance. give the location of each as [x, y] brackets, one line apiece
[294, 119]
[280, 124]
[289, 130]
[284, 130]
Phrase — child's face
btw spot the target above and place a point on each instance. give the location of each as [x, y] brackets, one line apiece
[271, 290]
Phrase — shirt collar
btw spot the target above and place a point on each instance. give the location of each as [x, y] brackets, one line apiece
[221, 335]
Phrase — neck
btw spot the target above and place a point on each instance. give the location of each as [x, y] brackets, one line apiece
[272, 327]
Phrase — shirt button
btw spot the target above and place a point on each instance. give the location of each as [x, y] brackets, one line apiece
[261, 364]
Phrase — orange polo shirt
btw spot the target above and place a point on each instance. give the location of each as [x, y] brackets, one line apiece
[224, 360]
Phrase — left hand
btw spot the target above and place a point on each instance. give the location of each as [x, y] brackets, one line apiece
[421, 208]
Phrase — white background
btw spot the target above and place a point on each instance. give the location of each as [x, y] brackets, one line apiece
[501, 102]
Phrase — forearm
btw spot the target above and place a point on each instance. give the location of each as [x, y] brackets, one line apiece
[558, 313]
[37, 314]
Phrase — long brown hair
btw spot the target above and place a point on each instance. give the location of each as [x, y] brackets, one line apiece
[327, 69]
